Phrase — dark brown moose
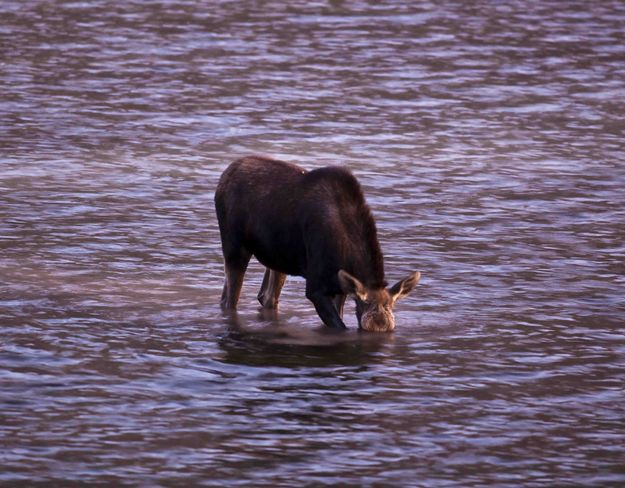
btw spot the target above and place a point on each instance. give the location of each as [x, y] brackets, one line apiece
[314, 224]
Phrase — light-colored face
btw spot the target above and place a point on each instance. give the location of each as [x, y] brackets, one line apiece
[375, 314]
[374, 307]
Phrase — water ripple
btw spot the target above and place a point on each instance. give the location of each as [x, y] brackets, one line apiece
[489, 141]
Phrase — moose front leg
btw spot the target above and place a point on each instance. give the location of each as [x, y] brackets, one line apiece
[339, 303]
[326, 309]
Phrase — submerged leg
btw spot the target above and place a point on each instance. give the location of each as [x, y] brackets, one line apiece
[269, 293]
[325, 307]
[339, 303]
[235, 271]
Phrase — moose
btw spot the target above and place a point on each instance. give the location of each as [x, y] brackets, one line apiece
[315, 224]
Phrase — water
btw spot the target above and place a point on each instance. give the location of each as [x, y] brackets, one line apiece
[489, 138]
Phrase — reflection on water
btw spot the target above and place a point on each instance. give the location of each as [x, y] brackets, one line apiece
[489, 140]
[269, 338]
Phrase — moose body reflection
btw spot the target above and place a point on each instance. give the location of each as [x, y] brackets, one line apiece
[314, 224]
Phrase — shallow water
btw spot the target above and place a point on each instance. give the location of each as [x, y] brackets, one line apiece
[489, 139]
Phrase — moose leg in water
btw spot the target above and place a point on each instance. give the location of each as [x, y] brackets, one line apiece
[269, 293]
[235, 272]
[339, 303]
[326, 309]
[236, 258]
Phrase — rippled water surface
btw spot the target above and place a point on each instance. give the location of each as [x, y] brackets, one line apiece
[489, 139]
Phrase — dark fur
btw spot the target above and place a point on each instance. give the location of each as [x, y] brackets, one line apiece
[296, 222]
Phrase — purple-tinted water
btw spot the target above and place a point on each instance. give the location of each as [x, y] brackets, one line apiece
[489, 138]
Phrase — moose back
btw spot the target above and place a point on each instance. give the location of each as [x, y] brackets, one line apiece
[314, 224]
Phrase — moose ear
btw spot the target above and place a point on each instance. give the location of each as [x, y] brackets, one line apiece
[405, 286]
[351, 285]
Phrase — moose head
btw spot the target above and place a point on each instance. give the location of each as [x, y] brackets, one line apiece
[374, 307]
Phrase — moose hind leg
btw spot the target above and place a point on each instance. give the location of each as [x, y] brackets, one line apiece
[235, 271]
[269, 293]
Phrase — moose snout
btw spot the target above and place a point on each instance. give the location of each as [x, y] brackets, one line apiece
[378, 322]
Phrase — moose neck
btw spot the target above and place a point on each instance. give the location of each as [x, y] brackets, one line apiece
[368, 263]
